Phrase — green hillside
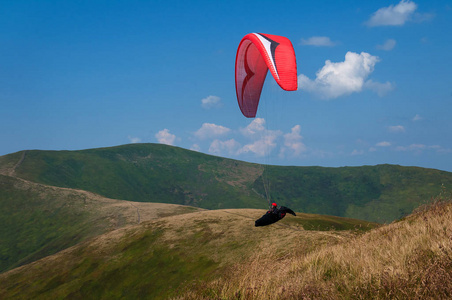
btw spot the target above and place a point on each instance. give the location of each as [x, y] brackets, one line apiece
[160, 173]
[165, 257]
[219, 254]
[381, 193]
[147, 173]
[38, 220]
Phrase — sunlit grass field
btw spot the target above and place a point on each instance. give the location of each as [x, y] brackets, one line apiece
[409, 259]
[221, 255]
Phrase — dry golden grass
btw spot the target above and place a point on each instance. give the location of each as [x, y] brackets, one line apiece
[409, 259]
[227, 238]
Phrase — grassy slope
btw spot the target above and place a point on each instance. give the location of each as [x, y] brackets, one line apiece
[38, 220]
[410, 259]
[162, 258]
[160, 173]
[221, 255]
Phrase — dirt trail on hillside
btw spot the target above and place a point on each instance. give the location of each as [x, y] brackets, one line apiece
[132, 212]
[120, 212]
[10, 170]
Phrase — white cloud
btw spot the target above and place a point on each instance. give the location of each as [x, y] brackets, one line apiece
[263, 140]
[388, 45]
[256, 130]
[383, 144]
[195, 147]
[292, 142]
[417, 17]
[393, 15]
[210, 102]
[209, 130]
[419, 148]
[256, 127]
[343, 78]
[412, 147]
[417, 118]
[220, 147]
[396, 128]
[134, 140]
[435, 147]
[380, 88]
[318, 41]
[357, 152]
[261, 147]
[443, 150]
[165, 137]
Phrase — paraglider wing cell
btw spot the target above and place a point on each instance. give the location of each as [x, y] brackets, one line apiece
[257, 53]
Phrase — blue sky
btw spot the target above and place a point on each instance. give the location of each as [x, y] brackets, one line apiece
[374, 79]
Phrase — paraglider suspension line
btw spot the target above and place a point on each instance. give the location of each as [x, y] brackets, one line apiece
[266, 188]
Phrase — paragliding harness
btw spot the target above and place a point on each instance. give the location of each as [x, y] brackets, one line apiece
[276, 211]
[273, 215]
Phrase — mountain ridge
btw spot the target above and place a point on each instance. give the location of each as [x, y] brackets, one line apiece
[167, 174]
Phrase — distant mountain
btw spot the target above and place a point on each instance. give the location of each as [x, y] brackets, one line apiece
[166, 174]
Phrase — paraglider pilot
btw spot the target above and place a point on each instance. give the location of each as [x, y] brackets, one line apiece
[274, 214]
[274, 208]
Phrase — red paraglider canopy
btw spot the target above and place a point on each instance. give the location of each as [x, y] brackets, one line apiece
[256, 54]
